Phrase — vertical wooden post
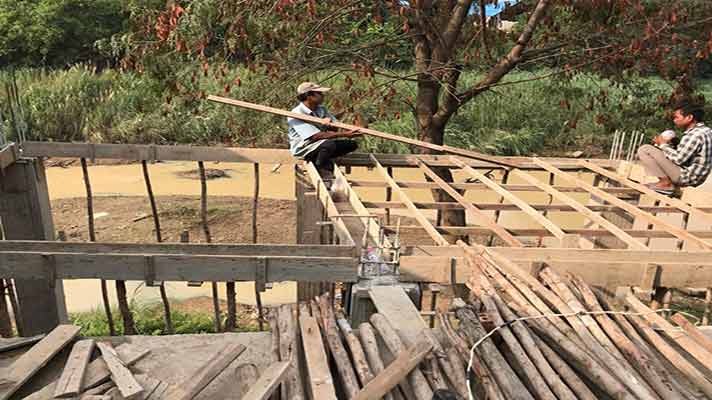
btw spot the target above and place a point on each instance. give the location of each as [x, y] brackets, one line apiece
[389, 196]
[255, 205]
[708, 304]
[208, 238]
[505, 178]
[157, 226]
[26, 215]
[309, 212]
[5, 323]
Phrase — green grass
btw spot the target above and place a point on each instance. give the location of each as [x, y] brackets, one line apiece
[540, 116]
[148, 320]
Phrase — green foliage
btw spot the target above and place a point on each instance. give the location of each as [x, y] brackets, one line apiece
[56, 32]
[148, 319]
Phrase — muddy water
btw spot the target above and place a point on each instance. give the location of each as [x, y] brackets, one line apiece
[167, 180]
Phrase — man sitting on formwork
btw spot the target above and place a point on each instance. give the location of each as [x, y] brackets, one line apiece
[318, 144]
[687, 165]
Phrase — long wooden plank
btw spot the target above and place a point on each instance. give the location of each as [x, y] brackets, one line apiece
[396, 371]
[96, 372]
[205, 249]
[523, 205]
[8, 155]
[675, 230]
[538, 232]
[681, 205]
[692, 331]
[615, 230]
[268, 382]
[210, 370]
[357, 205]
[367, 131]
[439, 240]
[331, 211]
[181, 268]
[442, 205]
[20, 371]
[120, 374]
[18, 342]
[399, 310]
[72, 379]
[512, 187]
[320, 379]
[480, 216]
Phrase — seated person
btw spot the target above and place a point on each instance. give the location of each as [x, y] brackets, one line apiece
[687, 165]
[317, 143]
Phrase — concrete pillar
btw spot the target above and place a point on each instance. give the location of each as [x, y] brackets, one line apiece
[26, 215]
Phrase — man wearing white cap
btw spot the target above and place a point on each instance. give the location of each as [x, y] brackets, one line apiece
[317, 143]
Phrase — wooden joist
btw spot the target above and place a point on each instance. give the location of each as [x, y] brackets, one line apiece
[615, 230]
[328, 203]
[123, 378]
[633, 210]
[439, 240]
[72, 379]
[538, 232]
[164, 267]
[480, 216]
[210, 370]
[20, 371]
[512, 187]
[523, 205]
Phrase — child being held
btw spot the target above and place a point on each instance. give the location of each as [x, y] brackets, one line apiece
[667, 136]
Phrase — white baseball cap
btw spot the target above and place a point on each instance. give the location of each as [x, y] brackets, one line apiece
[668, 134]
[306, 87]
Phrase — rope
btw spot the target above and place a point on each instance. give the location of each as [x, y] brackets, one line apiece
[573, 314]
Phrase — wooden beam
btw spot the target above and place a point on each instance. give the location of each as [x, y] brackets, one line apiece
[27, 365]
[442, 205]
[395, 372]
[189, 389]
[675, 230]
[439, 240]
[268, 382]
[523, 205]
[681, 205]
[538, 232]
[255, 250]
[616, 231]
[71, 382]
[164, 267]
[331, 211]
[371, 132]
[480, 186]
[320, 379]
[353, 199]
[120, 374]
[8, 155]
[480, 216]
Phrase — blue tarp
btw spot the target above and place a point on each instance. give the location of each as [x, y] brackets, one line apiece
[494, 9]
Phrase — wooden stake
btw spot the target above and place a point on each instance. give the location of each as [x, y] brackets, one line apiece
[157, 226]
[92, 238]
[255, 203]
[708, 305]
[10, 287]
[5, 323]
[208, 239]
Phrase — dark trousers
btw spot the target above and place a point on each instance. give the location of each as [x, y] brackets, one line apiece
[323, 156]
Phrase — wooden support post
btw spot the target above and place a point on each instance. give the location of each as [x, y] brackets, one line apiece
[708, 305]
[159, 239]
[185, 238]
[309, 212]
[208, 239]
[25, 214]
[389, 196]
[5, 323]
[498, 213]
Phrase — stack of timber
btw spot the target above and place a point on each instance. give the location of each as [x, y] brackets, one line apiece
[548, 337]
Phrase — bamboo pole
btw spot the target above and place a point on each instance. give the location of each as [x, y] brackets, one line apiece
[641, 362]
[208, 239]
[157, 226]
[92, 238]
[255, 203]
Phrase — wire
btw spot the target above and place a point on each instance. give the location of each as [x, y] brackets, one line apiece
[573, 314]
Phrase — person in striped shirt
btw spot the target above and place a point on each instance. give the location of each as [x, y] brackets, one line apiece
[687, 164]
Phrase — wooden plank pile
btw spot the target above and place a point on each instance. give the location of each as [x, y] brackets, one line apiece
[554, 337]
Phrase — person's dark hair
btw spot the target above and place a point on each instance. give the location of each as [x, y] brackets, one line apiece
[304, 96]
[697, 112]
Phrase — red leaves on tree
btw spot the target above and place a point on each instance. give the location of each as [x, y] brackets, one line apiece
[168, 21]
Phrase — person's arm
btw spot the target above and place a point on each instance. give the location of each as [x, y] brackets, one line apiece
[689, 146]
[334, 135]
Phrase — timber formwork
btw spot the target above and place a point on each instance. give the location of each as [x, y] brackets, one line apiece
[610, 251]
